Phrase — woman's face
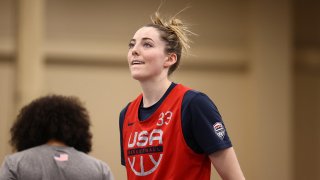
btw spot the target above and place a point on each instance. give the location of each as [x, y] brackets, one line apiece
[146, 55]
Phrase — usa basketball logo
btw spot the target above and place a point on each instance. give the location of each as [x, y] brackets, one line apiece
[145, 151]
[219, 130]
[145, 148]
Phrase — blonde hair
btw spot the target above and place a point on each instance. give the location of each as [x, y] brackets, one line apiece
[175, 33]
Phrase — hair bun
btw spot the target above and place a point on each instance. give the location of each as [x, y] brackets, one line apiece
[176, 22]
[176, 26]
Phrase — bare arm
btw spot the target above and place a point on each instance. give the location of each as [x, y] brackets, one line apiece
[226, 164]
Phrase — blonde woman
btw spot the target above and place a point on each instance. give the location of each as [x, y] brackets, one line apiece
[170, 131]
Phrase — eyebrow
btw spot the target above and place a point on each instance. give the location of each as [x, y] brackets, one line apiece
[145, 38]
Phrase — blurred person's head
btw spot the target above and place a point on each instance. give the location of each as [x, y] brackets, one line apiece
[52, 118]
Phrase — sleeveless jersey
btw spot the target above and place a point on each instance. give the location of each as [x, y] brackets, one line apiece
[155, 148]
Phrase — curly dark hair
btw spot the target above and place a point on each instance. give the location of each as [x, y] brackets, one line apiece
[52, 117]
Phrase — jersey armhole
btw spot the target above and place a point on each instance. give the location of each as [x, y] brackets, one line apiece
[121, 122]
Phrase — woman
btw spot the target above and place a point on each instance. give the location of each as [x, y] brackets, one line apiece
[52, 137]
[170, 131]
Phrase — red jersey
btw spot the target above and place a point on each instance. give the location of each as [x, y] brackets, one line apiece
[155, 148]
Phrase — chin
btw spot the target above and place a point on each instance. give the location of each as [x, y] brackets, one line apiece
[138, 77]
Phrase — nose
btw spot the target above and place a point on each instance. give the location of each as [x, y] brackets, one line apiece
[134, 51]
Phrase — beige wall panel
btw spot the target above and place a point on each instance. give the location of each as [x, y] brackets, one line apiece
[306, 23]
[101, 28]
[307, 125]
[271, 75]
[307, 90]
[6, 18]
[101, 20]
[29, 51]
[6, 105]
[7, 26]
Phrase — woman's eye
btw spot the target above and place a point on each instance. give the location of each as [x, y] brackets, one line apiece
[131, 45]
[147, 45]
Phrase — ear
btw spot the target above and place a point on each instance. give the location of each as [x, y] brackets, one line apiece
[170, 60]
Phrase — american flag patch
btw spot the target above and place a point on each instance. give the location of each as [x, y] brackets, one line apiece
[61, 157]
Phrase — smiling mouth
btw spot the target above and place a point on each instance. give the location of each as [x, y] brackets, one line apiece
[136, 62]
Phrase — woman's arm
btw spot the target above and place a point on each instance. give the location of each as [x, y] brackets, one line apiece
[226, 163]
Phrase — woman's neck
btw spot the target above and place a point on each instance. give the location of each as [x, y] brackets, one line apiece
[53, 142]
[153, 91]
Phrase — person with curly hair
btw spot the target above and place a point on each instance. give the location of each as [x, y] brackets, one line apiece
[52, 138]
[170, 131]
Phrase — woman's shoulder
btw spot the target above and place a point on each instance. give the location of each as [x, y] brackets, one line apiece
[196, 97]
[16, 157]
